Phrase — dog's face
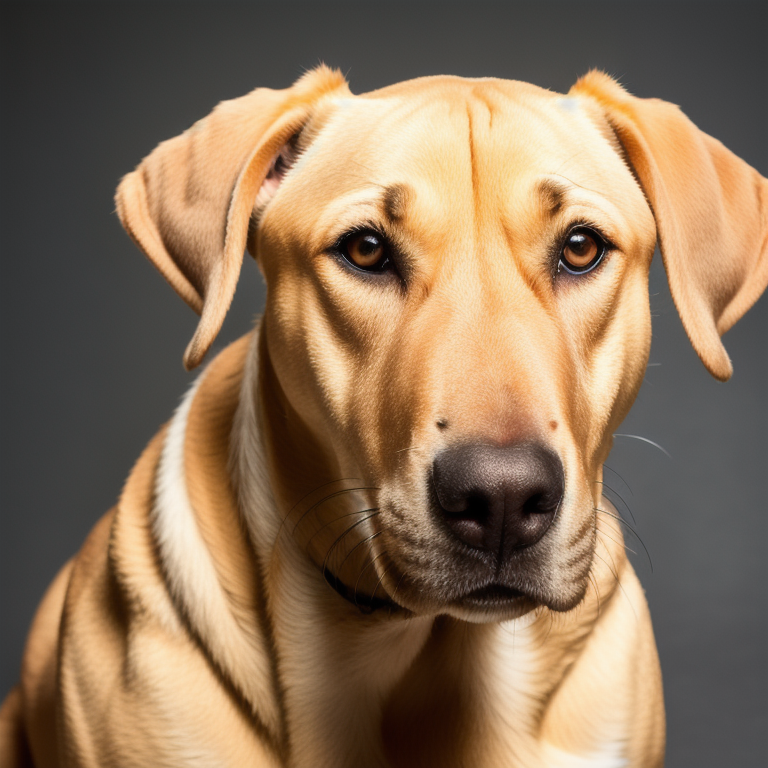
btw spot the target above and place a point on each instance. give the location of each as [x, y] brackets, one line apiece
[457, 309]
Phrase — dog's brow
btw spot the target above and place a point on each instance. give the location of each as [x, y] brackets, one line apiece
[553, 194]
[395, 201]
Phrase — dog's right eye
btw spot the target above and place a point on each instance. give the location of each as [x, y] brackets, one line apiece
[366, 250]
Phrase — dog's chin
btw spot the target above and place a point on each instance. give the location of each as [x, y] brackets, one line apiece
[499, 603]
[491, 603]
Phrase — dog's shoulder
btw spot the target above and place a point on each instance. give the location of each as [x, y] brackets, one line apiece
[160, 606]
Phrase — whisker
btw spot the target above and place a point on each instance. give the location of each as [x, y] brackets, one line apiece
[621, 498]
[611, 469]
[618, 583]
[399, 582]
[611, 570]
[615, 541]
[610, 524]
[336, 519]
[622, 521]
[379, 583]
[327, 498]
[306, 496]
[646, 440]
[571, 181]
[565, 162]
[359, 543]
[602, 533]
[340, 537]
[324, 485]
[549, 629]
[362, 571]
[593, 582]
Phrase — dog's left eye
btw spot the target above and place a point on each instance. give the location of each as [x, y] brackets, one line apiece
[582, 250]
[366, 250]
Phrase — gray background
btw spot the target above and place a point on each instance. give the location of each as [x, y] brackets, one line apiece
[92, 338]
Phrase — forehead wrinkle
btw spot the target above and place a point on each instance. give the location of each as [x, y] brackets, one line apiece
[479, 124]
[556, 194]
[569, 184]
[482, 97]
[603, 202]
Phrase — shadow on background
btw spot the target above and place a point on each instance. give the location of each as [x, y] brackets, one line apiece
[92, 338]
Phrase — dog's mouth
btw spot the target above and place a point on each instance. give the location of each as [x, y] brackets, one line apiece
[363, 551]
[493, 602]
[492, 598]
[492, 595]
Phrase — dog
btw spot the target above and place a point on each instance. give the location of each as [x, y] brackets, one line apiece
[373, 532]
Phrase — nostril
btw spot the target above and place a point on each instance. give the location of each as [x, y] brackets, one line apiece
[477, 509]
[498, 498]
[469, 523]
[533, 505]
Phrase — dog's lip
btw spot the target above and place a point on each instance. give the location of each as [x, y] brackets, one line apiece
[492, 594]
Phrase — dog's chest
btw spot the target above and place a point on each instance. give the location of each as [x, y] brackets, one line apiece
[470, 697]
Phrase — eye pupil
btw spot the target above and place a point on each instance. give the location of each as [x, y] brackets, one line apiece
[367, 245]
[579, 244]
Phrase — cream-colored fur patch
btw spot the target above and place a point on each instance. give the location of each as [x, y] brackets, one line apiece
[193, 578]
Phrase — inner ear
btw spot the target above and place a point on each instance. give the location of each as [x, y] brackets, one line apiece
[283, 161]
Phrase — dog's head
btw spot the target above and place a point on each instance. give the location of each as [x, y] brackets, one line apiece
[457, 308]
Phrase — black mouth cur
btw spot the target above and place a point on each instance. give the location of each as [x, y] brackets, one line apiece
[373, 534]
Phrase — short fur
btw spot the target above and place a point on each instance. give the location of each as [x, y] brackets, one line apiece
[275, 586]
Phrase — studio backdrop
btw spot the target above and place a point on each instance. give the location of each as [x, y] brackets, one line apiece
[92, 337]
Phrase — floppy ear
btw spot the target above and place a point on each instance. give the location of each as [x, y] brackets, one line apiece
[189, 203]
[711, 211]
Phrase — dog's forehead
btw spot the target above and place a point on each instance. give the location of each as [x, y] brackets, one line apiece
[441, 128]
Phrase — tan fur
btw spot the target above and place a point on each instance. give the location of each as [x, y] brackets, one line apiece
[196, 627]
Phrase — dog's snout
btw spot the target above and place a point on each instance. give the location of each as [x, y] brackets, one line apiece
[498, 498]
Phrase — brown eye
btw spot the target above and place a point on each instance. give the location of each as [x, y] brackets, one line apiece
[582, 251]
[366, 250]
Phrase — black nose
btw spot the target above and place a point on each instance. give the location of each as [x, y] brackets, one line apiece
[498, 498]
